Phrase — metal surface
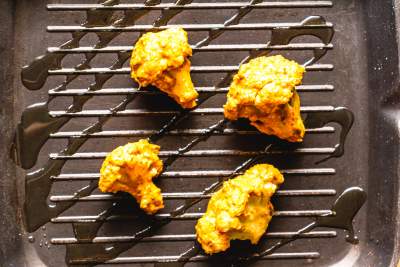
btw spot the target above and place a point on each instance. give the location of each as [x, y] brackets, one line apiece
[359, 71]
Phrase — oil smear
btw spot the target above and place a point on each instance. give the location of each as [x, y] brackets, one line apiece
[343, 116]
[32, 133]
[36, 124]
[344, 210]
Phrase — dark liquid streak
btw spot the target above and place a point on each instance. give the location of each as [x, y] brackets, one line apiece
[270, 250]
[344, 210]
[36, 124]
[93, 254]
[207, 133]
[235, 19]
[84, 231]
[343, 116]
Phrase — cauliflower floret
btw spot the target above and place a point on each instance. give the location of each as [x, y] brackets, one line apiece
[161, 59]
[241, 209]
[264, 92]
[131, 168]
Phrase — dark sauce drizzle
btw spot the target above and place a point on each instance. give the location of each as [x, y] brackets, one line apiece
[343, 116]
[37, 125]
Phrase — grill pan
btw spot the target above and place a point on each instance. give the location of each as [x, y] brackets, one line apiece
[350, 49]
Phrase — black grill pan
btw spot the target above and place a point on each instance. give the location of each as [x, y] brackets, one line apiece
[53, 215]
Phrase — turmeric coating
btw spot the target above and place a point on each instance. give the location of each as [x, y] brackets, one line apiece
[131, 168]
[161, 59]
[264, 92]
[241, 209]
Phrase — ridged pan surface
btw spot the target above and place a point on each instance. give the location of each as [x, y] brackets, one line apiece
[73, 102]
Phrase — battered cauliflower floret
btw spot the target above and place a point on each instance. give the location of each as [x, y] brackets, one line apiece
[264, 92]
[241, 209]
[131, 168]
[161, 59]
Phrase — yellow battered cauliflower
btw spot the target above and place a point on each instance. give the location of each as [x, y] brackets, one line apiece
[241, 209]
[131, 168]
[264, 92]
[161, 59]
